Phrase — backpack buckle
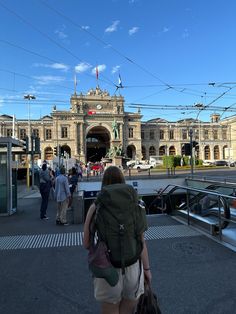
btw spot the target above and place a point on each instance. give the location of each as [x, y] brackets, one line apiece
[122, 227]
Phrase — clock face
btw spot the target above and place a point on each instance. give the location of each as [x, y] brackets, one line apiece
[99, 107]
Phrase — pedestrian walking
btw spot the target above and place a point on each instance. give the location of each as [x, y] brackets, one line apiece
[73, 181]
[120, 223]
[44, 188]
[62, 197]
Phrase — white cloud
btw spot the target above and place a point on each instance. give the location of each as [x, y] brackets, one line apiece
[82, 67]
[133, 30]
[57, 66]
[165, 29]
[113, 27]
[48, 79]
[100, 67]
[62, 34]
[185, 33]
[115, 69]
[85, 27]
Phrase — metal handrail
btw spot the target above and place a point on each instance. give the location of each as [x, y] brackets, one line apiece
[220, 196]
[205, 179]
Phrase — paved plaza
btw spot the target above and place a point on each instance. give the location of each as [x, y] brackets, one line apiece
[44, 266]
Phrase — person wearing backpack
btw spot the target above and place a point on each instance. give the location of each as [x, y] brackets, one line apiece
[120, 223]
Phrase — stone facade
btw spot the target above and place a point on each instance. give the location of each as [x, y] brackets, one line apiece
[97, 122]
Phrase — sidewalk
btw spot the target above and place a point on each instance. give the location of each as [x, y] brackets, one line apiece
[44, 266]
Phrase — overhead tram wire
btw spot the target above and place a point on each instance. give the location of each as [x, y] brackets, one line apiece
[173, 86]
[174, 107]
[107, 80]
[31, 77]
[27, 50]
[104, 43]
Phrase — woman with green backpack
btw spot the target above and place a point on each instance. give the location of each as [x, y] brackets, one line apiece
[120, 222]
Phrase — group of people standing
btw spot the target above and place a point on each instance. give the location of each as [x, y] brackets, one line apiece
[63, 187]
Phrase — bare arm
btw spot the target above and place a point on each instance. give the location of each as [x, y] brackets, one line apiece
[86, 225]
[145, 260]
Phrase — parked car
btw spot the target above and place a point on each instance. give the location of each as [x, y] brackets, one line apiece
[221, 163]
[207, 163]
[141, 166]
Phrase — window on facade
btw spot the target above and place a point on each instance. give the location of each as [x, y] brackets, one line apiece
[64, 133]
[224, 134]
[142, 135]
[131, 132]
[152, 135]
[184, 134]
[196, 134]
[172, 134]
[162, 133]
[162, 150]
[216, 152]
[9, 132]
[172, 151]
[207, 153]
[36, 132]
[22, 134]
[215, 134]
[152, 151]
[48, 134]
[206, 134]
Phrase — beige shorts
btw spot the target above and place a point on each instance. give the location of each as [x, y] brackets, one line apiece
[130, 286]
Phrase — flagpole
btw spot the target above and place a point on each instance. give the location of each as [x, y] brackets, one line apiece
[97, 75]
[75, 83]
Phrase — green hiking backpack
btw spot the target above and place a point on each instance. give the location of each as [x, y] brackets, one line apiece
[120, 221]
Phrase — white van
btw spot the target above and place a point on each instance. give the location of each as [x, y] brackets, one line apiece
[156, 160]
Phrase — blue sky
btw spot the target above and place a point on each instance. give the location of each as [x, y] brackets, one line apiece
[166, 52]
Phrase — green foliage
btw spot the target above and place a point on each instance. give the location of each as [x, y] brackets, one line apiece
[186, 161]
[169, 161]
[199, 162]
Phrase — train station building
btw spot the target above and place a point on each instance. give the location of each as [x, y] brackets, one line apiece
[97, 122]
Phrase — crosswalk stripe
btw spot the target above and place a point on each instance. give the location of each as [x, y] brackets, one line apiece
[76, 238]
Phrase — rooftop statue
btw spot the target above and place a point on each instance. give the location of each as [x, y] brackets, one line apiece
[115, 129]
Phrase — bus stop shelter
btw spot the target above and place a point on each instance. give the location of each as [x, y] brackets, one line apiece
[8, 174]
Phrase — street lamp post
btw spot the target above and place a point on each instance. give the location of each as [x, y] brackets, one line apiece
[191, 149]
[31, 141]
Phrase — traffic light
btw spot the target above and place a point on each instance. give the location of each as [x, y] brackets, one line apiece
[55, 150]
[187, 149]
[26, 145]
[37, 145]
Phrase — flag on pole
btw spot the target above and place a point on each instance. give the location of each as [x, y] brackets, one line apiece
[97, 72]
[119, 82]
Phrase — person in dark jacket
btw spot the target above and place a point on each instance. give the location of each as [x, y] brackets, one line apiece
[44, 187]
[73, 181]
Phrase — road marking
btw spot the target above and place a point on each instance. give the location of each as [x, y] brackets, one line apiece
[70, 239]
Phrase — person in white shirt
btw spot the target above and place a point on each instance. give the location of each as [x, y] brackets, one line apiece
[62, 197]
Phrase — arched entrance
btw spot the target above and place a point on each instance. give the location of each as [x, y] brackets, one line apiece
[207, 153]
[131, 151]
[65, 149]
[172, 151]
[162, 150]
[216, 152]
[98, 143]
